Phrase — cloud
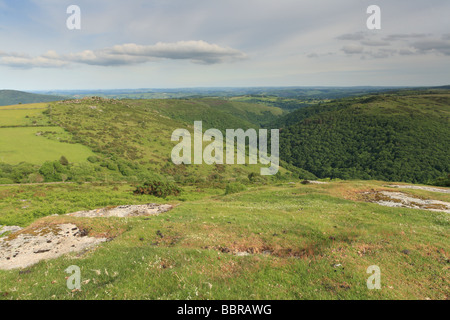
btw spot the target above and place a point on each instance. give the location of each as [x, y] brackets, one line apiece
[128, 54]
[381, 53]
[353, 49]
[313, 55]
[406, 52]
[440, 46]
[19, 60]
[409, 36]
[395, 44]
[352, 36]
[375, 43]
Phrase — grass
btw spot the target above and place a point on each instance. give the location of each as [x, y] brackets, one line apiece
[304, 242]
[25, 106]
[23, 115]
[22, 144]
[21, 138]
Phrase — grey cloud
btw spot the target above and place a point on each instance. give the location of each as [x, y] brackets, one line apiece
[375, 43]
[318, 55]
[382, 53]
[401, 36]
[441, 46]
[406, 52]
[412, 44]
[128, 54]
[353, 49]
[352, 36]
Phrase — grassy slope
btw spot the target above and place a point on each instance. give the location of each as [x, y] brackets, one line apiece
[140, 130]
[308, 228]
[214, 113]
[12, 97]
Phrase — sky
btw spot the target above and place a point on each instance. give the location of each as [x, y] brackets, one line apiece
[222, 43]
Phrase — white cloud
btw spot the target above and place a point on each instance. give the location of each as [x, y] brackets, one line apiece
[129, 54]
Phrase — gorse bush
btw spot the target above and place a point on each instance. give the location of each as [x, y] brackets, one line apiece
[234, 187]
[158, 188]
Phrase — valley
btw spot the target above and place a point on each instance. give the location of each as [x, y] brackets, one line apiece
[341, 202]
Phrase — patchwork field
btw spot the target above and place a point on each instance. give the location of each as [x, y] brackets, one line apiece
[23, 144]
[25, 136]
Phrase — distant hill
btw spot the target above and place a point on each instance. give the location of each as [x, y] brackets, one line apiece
[11, 97]
[390, 137]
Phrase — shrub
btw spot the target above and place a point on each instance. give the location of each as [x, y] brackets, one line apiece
[6, 181]
[234, 187]
[158, 188]
[63, 160]
[93, 159]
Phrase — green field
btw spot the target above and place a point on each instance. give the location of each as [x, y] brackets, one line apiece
[25, 136]
[22, 144]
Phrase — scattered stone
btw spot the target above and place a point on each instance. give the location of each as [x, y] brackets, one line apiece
[242, 254]
[41, 251]
[27, 271]
[407, 252]
[432, 189]
[313, 182]
[400, 199]
[124, 211]
[24, 249]
[12, 229]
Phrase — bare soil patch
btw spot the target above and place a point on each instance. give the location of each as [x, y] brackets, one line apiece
[400, 199]
[124, 211]
[20, 248]
[432, 189]
[28, 247]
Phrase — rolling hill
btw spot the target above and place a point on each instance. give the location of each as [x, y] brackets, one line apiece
[12, 97]
[119, 140]
[391, 137]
